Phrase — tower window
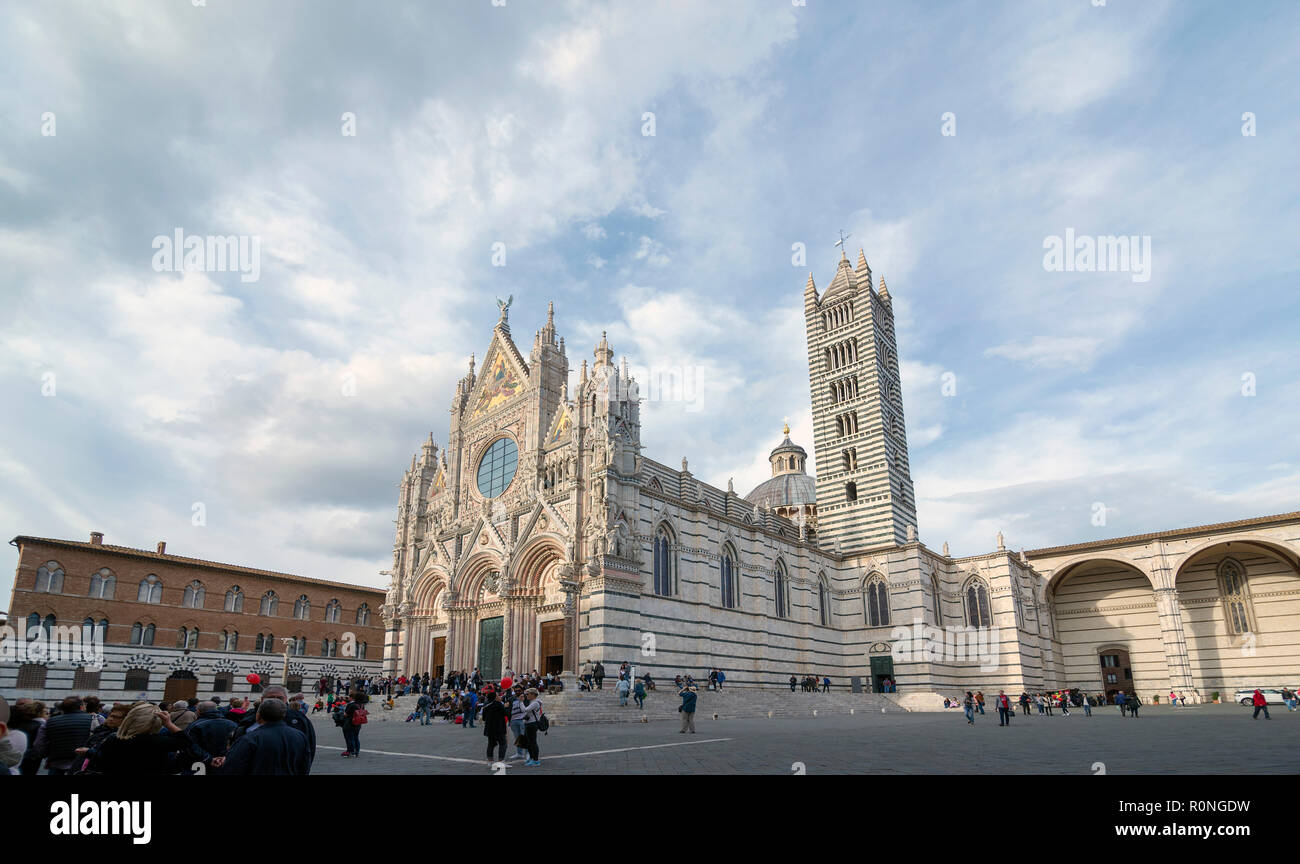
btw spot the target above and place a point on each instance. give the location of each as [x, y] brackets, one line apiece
[850, 491]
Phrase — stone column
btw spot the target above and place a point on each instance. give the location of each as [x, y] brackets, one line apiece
[570, 589]
[451, 656]
[507, 623]
[1175, 639]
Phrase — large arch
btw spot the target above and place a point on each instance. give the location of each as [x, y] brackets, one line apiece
[537, 627]
[1222, 654]
[1101, 601]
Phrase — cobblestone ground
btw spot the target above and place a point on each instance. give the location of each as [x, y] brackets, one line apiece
[1210, 739]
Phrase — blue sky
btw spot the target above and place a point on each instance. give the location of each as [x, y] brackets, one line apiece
[522, 125]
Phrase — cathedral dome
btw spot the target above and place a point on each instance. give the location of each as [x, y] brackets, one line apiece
[784, 490]
[789, 485]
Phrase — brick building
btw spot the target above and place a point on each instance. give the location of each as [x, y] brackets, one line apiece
[175, 627]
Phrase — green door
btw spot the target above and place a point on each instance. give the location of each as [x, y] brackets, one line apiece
[882, 671]
[489, 648]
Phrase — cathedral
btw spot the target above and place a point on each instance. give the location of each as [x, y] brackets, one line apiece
[542, 537]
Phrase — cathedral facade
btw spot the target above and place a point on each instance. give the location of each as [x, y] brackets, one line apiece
[542, 537]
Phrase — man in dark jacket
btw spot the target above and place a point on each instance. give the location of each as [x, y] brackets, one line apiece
[494, 727]
[211, 730]
[59, 738]
[687, 708]
[270, 747]
[297, 719]
[293, 719]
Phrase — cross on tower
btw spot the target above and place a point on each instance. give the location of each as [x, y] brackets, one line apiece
[840, 243]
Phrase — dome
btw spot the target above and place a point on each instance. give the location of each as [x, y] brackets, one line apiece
[784, 490]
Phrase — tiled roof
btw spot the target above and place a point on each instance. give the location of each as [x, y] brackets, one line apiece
[190, 562]
[1164, 535]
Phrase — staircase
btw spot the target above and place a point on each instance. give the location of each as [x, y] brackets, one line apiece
[574, 707]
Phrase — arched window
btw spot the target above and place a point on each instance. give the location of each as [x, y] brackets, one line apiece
[229, 640]
[877, 601]
[49, 578]
[663, 562]
[270, 604]
[1236, 596]
[33, 626]
[333, 610]
[782, 592]
[150, 590]
[324, 647]
[181, 635]
[977, 604]
[823, 601]
[259, 643]
[363, 614]
[268, 646]
[194, 595]
[300, 645]
[302, 608]
[194, 639]
[142, 634]
[937, 602]
[102, 584]
[361, 651]
[730, 578]
[235, 599]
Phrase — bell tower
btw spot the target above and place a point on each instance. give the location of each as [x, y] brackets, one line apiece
[864, 481]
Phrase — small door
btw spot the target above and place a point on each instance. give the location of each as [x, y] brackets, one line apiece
[490, 633]
[551, 647]
[882, 670]
[439, 655]
[180, 686]
[1116, 672]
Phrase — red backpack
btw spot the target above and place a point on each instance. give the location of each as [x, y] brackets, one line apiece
[359, 717]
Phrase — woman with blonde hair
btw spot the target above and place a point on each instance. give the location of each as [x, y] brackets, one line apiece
[143, 744]
[532, 722]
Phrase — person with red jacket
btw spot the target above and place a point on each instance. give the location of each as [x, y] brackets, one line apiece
[1004, 708]
[1261, 704]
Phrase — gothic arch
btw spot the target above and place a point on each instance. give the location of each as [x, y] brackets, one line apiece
[427, 587]
[535, 560]
[469, 578]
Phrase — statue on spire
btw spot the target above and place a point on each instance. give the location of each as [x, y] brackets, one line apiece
[504, 306]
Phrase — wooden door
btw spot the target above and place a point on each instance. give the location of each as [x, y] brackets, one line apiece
[551, 647]
[439, 656]
[180, 688]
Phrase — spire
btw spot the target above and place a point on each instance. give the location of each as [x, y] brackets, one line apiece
[547, 334]
[884, 292]
[602, 353]
[810, 286]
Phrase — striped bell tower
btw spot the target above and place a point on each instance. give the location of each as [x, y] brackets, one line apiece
[864, 482]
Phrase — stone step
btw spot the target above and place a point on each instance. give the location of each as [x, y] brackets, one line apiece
[576, 707]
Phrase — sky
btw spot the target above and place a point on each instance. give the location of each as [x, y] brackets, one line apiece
[649, 168]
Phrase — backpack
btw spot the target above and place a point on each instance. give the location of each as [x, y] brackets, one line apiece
[340, 718]
[359, 717]
[543, 723]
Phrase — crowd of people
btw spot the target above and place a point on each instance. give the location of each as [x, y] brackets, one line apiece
[88, 736]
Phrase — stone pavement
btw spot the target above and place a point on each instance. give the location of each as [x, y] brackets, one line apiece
[1210, 739]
